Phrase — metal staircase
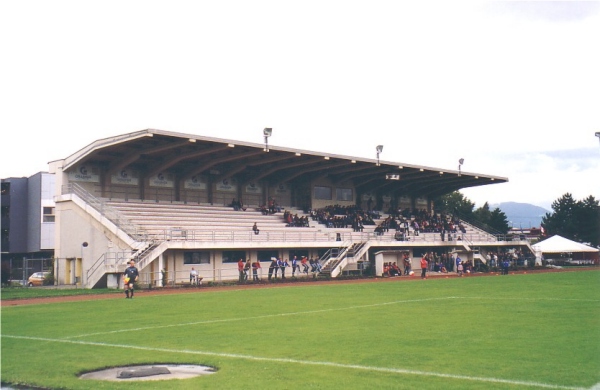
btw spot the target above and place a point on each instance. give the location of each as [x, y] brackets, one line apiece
[112, 262]
[337, 258]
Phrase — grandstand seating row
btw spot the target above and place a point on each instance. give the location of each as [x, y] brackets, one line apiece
[202, 222]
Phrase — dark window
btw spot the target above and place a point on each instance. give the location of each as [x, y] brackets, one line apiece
[196, 257]
[343, 194]
[233, 256]
[323, 193]
[48, 214]
[266, 255]
[298, 253]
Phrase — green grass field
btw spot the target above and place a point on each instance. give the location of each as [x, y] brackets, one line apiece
[518, 331]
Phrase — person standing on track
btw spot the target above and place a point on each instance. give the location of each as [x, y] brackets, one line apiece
[130, 276]
[241, 273]
[424, 265]
[273, 267]
[255, 267]
[295, 266]
[193, 276]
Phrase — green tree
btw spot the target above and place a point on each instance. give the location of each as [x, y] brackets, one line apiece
[483, 214]
[455, 203]
[576, 220]
[588, 221]
[498, 220]
[494, 219]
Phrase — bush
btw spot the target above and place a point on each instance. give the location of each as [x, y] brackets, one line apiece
[49, 279]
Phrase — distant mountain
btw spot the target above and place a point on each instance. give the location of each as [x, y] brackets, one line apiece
[523, 215]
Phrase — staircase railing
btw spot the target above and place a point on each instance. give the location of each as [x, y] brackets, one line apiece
[332, 257]
[110, 213]
[360, 248]
[356, 250]
[480, 225]
[107, 260]
[111, 259]
[142, 257]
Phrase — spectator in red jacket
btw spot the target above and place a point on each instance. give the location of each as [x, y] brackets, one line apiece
[255, 267]
[424, 265]
[241, 265]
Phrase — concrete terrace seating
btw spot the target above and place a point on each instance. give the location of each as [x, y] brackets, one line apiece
[175, 216]
[178, 221]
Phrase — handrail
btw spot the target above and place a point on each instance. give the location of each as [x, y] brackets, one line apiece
[480, 225]
[110, 213]
[105, 260]
[94, 267]
[308, 235]
[143, 256]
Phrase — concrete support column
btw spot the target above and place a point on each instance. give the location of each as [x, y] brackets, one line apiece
[112, 281]
[161, 266]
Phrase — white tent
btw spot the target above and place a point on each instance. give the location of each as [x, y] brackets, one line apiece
[558, 244]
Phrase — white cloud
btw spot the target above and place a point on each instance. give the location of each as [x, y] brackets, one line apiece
[432, 81]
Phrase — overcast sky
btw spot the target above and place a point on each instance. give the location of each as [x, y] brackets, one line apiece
[511, 87]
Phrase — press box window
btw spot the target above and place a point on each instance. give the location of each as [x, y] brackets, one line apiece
[323, 193]
[343, 194]
[48, 214]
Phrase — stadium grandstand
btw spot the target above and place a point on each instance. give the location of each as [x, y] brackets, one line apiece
[176, 202]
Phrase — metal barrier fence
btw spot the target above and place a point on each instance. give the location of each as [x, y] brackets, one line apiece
[22, 269]
[312, 235]
[220, 275]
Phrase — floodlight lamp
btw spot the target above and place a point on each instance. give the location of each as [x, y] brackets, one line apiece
[267, 132]
[379, 149]
[461, 161]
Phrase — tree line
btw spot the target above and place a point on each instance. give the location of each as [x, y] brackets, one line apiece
[577, 220]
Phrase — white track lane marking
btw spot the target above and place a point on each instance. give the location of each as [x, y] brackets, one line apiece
[313, 312]
[306, 362]
[257, 317]
[531, 299]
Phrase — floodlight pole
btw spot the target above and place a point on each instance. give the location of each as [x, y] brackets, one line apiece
[267, 133]
[379, 149]
[460, 163]
[598, 135]
[83, 245]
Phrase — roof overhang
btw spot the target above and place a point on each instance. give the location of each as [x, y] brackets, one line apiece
[153, 151]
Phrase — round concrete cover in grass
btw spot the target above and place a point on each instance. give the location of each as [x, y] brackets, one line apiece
[151, 372]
